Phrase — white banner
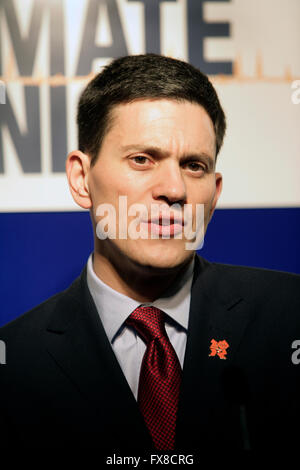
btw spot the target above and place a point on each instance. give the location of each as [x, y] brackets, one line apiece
[51, 48]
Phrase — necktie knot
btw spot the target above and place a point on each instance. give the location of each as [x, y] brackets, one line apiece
[148, 322]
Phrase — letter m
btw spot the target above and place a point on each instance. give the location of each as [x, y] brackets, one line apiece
[26, 141]
[2, 352]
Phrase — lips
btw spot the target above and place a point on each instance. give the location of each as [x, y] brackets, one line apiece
[164, 225]
[169, 219]
[166, 221]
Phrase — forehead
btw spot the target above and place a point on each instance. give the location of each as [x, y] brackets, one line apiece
[181, 125]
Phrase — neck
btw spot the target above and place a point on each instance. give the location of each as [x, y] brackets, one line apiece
[141, 283]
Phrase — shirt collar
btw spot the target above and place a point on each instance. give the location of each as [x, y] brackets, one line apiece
[114, 308]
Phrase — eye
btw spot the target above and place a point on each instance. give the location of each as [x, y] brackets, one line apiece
[195, 166]
[140, 162]
[140, 159]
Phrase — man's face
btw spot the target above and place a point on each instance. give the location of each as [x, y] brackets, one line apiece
[157, 152]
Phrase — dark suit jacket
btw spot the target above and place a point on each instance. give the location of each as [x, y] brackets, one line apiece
[62, 386]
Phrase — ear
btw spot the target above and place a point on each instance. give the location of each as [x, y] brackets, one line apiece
[77, 169]
[218, 190]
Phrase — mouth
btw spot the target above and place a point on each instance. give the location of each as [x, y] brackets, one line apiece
[166, 226]
[165, 219]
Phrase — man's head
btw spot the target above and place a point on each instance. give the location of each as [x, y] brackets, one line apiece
[148, 76]
[150, 128]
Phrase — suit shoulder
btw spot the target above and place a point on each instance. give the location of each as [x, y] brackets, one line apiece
[255, 274]
[36, 318]
[252, 283]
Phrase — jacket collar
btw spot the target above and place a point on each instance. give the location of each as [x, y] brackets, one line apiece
[218, 312]
[77, 342]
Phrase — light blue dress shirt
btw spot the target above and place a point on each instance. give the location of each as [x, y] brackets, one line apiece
[114, 308]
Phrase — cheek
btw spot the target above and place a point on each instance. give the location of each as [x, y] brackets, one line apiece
[104, 186]
[203, 193]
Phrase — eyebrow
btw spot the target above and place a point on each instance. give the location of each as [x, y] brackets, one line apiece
[158, 153]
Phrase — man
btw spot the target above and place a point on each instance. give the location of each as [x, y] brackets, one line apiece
[153, 349]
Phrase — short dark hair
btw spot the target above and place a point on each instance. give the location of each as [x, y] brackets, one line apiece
[142, 77]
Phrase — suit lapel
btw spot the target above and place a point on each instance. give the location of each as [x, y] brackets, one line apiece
[78, 343]
[215, 314]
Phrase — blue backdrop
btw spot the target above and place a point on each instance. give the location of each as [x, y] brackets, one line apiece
[41, 253]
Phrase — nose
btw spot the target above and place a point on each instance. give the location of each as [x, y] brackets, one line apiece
[170, 186]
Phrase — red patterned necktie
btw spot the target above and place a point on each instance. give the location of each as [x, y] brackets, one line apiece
[160, 377]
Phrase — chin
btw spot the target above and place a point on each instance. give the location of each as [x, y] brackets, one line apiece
[162, 258]
[149, 256]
